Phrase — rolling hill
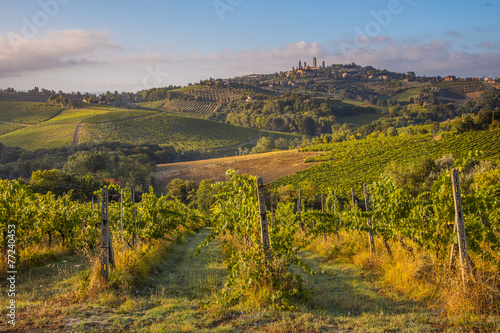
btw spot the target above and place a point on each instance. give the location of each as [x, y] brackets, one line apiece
[39, 125]
[349, 164]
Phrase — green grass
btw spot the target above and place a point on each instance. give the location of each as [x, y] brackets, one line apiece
[7, 128]
[27, 112]
[180, 295]
[184, 133]
[403, 96]
[352, 163]
[458, 83]
[75, 116]
[356, 103]
[132, 126]
[190, 88]
[118, 115]
[155, 105]
[41, 136]
[361, 119]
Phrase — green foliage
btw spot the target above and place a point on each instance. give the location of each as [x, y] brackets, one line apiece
[27, 112]
[182, 190]
[183, 132]
[255, 273]
[352, 163]
[7, 128]
[264, 144]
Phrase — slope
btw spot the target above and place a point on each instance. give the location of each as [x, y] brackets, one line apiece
[350, 164]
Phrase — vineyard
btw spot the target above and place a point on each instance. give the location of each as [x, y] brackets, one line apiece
[351, 163]
[273, 249]
[217, 95]
[27, 112]
[184, 133]
[190, 106]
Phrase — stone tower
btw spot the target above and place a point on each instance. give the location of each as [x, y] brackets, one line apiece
[300, 64]
[314, 62]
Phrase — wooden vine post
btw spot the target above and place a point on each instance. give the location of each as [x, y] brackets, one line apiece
[460, 228]
[132, 192]
[264, 231]
[105, 244]
[121, 221]
[368, 222]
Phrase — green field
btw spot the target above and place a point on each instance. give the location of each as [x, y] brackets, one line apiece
[403, 96]
[57, 128]
[75, 116]
[41, 136]
[361, 119]
[350, 164]
[27, 112]
[58, 131]
[189, 88]
[458, 83]
[7, 128]
[182, 132]
[155, 105]
[120, 115]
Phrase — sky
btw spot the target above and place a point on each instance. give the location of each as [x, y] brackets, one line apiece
[131, 45]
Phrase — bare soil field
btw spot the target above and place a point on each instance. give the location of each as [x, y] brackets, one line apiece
[269, 166]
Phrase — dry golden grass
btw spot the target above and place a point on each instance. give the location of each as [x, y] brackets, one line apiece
[269, 166]
[419, 276]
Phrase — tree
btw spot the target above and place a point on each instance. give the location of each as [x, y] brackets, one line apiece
[263, 145]
[307, 126]
[181, 189]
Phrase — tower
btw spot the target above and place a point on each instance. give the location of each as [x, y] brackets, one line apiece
[324, 64]
[314, 62]
[300, 64]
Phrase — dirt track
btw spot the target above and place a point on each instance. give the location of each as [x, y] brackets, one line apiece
[78, 133]
[269, 166]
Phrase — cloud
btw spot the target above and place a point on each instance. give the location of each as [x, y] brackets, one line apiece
[455, 34]
[487, 45]
[436, 57]
[433, 58]
[57, 49]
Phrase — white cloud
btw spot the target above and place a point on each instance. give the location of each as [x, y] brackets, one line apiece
[434, 58]
[57, 49]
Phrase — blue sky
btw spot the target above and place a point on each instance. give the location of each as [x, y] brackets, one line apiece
[129, 45]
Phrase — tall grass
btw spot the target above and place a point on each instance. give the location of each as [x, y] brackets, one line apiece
[418, 275]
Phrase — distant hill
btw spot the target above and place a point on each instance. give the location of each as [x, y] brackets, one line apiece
[40, 125]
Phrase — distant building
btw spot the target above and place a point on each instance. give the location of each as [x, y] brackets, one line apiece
[324, 64]
[450, 78]
[314, 62]
[488, 80]
[300, 64]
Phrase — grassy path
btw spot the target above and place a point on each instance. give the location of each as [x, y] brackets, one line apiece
[179, 296]
[358, 303]
[173, 299]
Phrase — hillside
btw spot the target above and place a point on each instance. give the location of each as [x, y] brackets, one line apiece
[40, 125]
[349, 164]
[269, 166]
